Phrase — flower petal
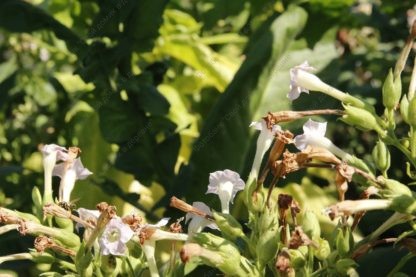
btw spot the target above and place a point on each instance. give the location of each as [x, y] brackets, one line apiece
[315, 128]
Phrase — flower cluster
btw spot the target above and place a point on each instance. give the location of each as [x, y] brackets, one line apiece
[282, 236]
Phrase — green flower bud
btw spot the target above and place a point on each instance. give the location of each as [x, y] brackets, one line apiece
[412, 112]
[362, 119]
[297, 258]
[381, 156]
[64, 223]
[267, 245]
[216, 243]
[37, 198]
[268, 219]
[404, 204]
[229, 226]
[323, 250]
[392, 90]
[42, 258]
[26, 216]
[343, 241]
[393, 188]
[310, 225]
[344, 265]
[404, 109]
[230, 263]
[222, 254]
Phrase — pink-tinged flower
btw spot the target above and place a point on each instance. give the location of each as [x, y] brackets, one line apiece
[314, 135]
[264, 141]
[114, 238]
[51, 154]
[226, 184]
[69, 171]
[197, 223]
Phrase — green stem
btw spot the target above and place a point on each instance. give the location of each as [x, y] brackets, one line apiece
[413, 142]
[400, 264]
[8, 227]
[392, 140]
[395, 219]
[16, 257]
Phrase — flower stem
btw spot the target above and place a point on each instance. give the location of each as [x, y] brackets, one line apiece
[395, 219]
[16, 257]
[7, 228]
[412, 85]
[149, 251]
[400, 264]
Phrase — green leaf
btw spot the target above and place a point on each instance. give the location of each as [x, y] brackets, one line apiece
[144, 22]
[119, 120]
[224, 138]
[150, 100]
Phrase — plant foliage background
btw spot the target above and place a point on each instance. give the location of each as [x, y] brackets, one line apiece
[163, 92]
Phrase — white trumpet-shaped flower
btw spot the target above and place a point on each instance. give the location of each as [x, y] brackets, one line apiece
[301, 80]
[226, 184]
[114, 238]
[51, 154]
[264, 142]
[314, 135]
[69, 171]
[196, 222]
[149, 234]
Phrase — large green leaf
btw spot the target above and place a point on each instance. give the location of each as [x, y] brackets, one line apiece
[259, 86]
[225, 137]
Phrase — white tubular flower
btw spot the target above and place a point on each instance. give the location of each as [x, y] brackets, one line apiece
[149, 234]
[301, 80]
[51, 154]
[314, 135]
[197, 223]
[152, 232]
[264, 141]
[69, 171]
[226, 184]
[114, 238]
[349, 207]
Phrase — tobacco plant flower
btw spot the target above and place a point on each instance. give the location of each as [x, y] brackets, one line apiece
[226, 184]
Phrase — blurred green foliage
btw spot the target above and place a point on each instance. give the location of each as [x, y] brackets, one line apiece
[163, 91]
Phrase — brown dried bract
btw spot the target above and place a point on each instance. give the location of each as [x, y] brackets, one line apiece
[283, 263]
[286, 116]
[185, 207]
[42, 243]
[73, 152]
[134, 221]
[176, 227]
[299, 238]
[343, 176]
[145, 234]
[321, 154]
